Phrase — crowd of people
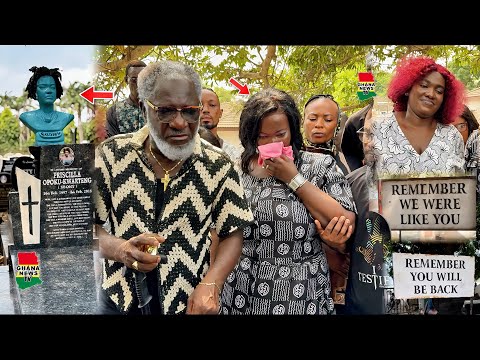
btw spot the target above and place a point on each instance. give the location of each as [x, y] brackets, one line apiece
[283, 223]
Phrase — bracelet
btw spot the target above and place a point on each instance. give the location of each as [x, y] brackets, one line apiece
[297, 181]
[210, 284]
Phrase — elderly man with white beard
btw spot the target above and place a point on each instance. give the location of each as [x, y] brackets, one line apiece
[162, 189]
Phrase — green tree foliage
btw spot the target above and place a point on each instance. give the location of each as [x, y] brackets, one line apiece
[9, 131]
[20, 104]
[300, 70]
[74, 103]
[89, 130]
[225, 95]
[464, 74]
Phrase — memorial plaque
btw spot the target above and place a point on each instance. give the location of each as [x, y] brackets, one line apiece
[5, 188]
[7, 165]
[66, 175]
[443, 203]
[5, 181]
[429, 276]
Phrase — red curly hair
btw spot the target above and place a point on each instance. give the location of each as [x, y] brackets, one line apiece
[409, 70]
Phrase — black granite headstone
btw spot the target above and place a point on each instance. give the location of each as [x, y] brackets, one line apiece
[7, 165]
[14, 211]
[6, 182]
[66, 175]
[61, 193]
[5, 188]
[66, 201]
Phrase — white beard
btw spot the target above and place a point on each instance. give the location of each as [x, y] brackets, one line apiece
[172, 152]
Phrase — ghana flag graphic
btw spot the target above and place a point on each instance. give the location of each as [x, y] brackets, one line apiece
[28, 270]
[366, 86]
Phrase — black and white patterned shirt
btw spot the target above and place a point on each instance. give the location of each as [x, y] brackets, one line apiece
[205, 191]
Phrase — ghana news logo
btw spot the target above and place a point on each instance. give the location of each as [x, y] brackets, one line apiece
[28, 270]
[366, 86]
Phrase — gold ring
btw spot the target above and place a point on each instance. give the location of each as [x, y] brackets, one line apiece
[266, 167]
[135, 265]
[152, 250]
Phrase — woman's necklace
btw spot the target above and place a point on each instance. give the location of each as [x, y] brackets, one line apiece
[166, 178]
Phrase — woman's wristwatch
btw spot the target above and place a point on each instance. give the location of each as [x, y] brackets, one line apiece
[297, 181]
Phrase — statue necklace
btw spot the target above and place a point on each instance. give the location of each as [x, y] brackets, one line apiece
[48, 119]
[166, 178]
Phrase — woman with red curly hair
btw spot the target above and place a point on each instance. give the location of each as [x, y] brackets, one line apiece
[417, 139]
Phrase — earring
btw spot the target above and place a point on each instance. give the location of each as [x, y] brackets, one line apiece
[406, 94]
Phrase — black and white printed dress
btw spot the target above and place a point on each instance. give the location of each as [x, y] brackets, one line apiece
[283, 269]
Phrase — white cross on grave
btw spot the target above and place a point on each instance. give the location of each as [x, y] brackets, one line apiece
[29, 196]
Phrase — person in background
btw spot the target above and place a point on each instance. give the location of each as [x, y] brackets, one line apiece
[210, 117]
[472, 149]
[365, 246]
[351, 144]
[321, 123]
[466, 123]
[283, 268]
[126, 116]
[162, 189]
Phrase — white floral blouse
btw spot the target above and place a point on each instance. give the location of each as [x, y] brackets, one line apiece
[394, 156]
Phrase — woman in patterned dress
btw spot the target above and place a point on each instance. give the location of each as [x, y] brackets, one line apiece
[283, 268]
[321, 123]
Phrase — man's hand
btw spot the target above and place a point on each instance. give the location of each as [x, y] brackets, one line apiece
[337, 232]
[135, 249]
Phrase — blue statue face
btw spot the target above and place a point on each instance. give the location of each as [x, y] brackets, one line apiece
[46, 90]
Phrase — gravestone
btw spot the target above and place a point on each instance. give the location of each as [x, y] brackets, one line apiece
[52, 222]
[5, 182]
[56, 209]
[5, 188]
[7, 165]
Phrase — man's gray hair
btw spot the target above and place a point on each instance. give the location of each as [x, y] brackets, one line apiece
[165, 70]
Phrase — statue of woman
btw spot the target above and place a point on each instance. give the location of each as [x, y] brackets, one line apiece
[46, 123]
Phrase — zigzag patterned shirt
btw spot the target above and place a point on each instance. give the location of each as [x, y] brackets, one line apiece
[206, 191]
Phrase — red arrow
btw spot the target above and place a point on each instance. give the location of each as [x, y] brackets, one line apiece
[243, 88]
[91, 94]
